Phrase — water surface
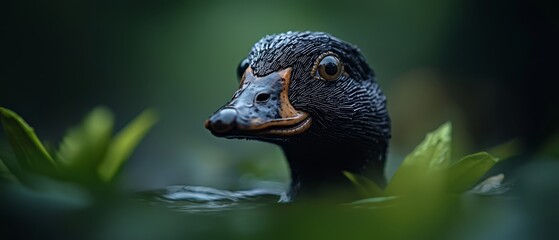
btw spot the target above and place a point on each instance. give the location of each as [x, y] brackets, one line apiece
[206, 199]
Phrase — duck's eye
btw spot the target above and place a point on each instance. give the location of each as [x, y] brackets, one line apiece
[243, 65]
[329, 68]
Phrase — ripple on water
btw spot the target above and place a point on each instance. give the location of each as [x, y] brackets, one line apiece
[206, 199]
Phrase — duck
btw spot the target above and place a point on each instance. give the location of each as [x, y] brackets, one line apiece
[316, 97]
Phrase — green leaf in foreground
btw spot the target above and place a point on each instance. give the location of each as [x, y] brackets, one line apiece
[30, 153]
[124, 143]
[507, 149]
[5, 173]
[465, 173]
[418, 170]
[376, 202]
[85, 145]
[366, 187]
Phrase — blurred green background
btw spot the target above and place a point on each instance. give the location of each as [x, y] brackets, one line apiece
[488, 66]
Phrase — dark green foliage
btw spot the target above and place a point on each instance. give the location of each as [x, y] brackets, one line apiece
[89, 155]
[428, 173]
[32, 157]
[421, 201]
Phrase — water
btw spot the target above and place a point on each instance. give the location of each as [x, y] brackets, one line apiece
[199, 199]
[206, 199]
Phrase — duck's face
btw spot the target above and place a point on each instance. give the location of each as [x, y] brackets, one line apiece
[301, 86]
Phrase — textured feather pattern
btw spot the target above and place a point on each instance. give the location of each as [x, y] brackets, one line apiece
[352, 107]
[350, 127]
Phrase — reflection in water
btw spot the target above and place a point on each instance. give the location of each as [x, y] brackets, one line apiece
[206, 199]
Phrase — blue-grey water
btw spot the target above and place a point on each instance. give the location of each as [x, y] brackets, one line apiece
[206, 199]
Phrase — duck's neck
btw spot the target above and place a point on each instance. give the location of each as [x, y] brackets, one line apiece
[318, 168]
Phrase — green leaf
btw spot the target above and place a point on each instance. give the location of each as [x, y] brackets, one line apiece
[376, 202]
[465, 173]
[30, 153]
[124, 144]
[507, 150]
[5, 173]
[84, 146]
[419, 168]
[11, 164]
[365, 186]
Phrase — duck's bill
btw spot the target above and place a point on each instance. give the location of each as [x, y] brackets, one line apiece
[260, 109]
[275, 130]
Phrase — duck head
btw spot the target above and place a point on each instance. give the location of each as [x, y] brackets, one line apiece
[316, 97]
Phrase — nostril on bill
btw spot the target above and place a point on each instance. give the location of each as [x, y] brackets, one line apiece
[262, 97]
[223, 121]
